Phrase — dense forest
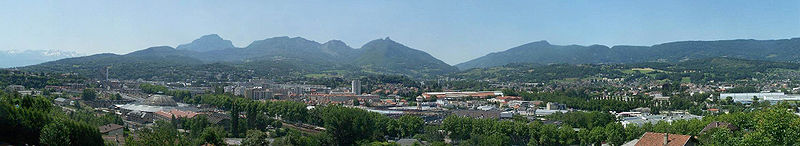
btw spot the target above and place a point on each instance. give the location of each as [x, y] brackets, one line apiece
[697, 71]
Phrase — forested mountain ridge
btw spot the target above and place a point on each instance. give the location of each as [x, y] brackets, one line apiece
[542, 52]
[207, 43]
[386, 55]
[277, 56]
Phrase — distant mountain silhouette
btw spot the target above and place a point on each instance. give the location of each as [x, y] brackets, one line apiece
[389, 56]
[301, 56]
[381, 56]
[207, 43]
[542, 52]
[19, 58]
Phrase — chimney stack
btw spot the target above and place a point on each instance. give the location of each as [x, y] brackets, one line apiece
[666, 139]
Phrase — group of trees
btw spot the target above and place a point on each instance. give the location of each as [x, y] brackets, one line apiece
[343, 125]
[583, 99]
[33, 120]
[583, 119]
[153, 89]
[470, 131]
[166, 133]
[773, 125]
[349, 126]
[35, 80]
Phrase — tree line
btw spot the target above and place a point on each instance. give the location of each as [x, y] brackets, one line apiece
[34, 120]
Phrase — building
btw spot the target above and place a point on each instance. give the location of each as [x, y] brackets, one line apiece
[665, 139]
[219, 119]
[478, 94]
[324, 99]
[112, 133]
[478, 114]
[506, 114]
[555, 106]
[718, 124]
[12, 88]
[409, 142]
[660, 100]
[61, 101]
[748, 97]
[139, 117]
[160, 100]
[356, 86]
[110, 129]
[505, 99]
[258, 93]
[167, 115]
[654, 119]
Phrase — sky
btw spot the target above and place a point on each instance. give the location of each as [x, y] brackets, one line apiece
[454, 31]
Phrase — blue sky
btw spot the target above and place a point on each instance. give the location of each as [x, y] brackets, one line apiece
[453, 31]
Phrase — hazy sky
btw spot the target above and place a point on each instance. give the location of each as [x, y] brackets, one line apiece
[454, 31]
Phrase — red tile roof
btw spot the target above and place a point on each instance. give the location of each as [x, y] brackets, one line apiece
[177, 113]
[657, 139]
[717, 124]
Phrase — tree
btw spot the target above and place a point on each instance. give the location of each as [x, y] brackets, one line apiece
[585, 137]
[566, 135]
[294, 137]
[459, 127]
[83, 134]
[410, 125]
[255, 138]
[548, 134]
[494, 139]
[755, 103]
[615, 134]
[116, 96]
[633, 132]
[89, 94]
[55, 134]
[718, 136]
[776, 126]
[161, 134]
[234, 119]
[598, 135]
[350, 125]
[219, 90]
[728, 100]
[213, 135]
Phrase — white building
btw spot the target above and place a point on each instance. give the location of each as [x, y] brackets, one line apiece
[356, 85]
[771, 97]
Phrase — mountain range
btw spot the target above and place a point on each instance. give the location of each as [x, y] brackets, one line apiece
[18, 58]
[305, 56]
[298, 56]
[542, 52]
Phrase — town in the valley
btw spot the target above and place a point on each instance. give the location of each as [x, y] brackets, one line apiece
[136, 105]
[400, 73]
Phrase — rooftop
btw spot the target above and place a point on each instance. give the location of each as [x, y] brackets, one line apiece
[109, 128]
[657, 139]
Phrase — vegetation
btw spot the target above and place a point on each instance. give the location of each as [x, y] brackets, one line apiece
[36, 80]
[696, 71]
[772, 125]
[543, 52]
[33, 120]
